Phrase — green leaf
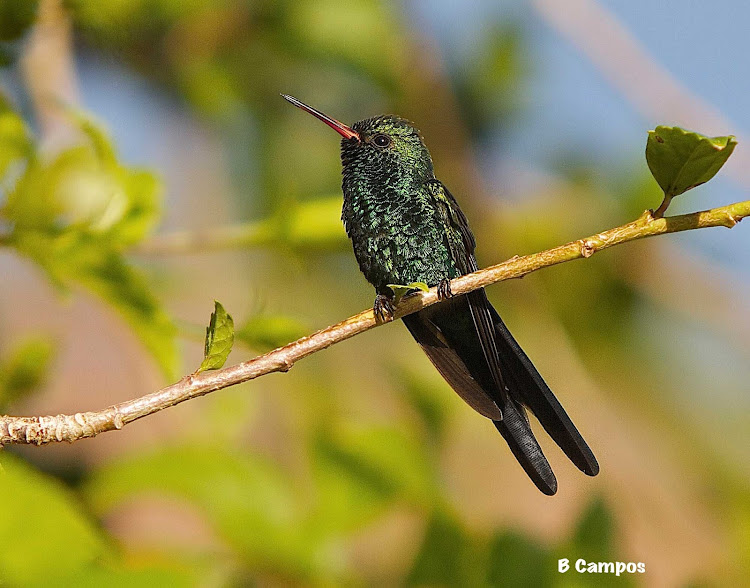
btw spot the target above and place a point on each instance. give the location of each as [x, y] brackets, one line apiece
[98, 139]
[680, 160]
[76, 257]
[24, 371]
[31, 203]
[359, 473]
[594, 541]
[143, 193]
[314, 224]
[116, 201]
[45, 533]
[376, 464]
[266, 332]
[82, 187]
[7, 54]
[365, 34]
[400, 290]
[350, 491]
[491, 85]
[305, 226]
[130, 217]
[219, 339]
[75, 215]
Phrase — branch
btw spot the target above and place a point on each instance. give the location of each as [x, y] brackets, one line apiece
[239, 236]
[48, 429]
[48, 69]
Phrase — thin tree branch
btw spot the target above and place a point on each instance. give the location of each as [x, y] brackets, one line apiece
[48, 429]
[49, 74]
[239, 236]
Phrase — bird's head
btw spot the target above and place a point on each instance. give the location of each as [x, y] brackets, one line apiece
[382, 147]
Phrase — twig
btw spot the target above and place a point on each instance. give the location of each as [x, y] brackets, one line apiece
[48, 68]
[47, 429]
[239, 236]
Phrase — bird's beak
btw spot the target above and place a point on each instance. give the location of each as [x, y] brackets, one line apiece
[340, 128]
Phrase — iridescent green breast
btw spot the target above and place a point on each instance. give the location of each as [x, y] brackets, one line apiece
[399, 238]
[395, 211]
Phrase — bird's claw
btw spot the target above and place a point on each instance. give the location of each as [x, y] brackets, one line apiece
[444, 289]
[383, 308]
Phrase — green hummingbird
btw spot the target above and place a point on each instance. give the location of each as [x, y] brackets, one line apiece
[407, 227]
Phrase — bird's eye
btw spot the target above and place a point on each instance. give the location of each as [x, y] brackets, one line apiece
[381, 141]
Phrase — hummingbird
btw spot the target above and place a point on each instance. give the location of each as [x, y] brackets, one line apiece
[405, 227]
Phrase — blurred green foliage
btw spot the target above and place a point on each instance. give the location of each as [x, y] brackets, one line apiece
[302, 226]
[24, 370]
[490, 87]
[16, 17]
[264, 332]
[53, 538]
[74, 213]
[296, 504]
[35, 507]
[270, 521]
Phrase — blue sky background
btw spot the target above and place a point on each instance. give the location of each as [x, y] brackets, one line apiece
[570, 103]
[703, 44]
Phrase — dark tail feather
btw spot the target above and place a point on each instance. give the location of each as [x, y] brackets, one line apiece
[516, 431]
[528, 386]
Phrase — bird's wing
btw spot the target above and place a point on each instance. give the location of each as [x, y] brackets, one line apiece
[447, 332]
[521, 379]
[456, 219]
[467, 327]
[450, 365]
[462, 252]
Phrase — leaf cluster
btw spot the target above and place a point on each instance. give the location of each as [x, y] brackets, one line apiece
[74, 213]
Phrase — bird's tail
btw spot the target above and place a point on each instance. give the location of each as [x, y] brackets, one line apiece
[527, 386]
[516, 431]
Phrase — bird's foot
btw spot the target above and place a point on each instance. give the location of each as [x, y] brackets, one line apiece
[383, 308]
[444, 289]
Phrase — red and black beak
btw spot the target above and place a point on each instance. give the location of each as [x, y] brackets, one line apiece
[339, 127]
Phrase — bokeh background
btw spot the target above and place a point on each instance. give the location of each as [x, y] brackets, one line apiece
[149, 166]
